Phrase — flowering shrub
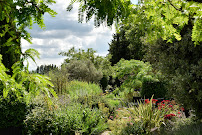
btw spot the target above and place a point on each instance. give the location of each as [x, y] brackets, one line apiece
[145, 118]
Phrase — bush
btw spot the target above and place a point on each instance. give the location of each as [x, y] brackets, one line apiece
[12, 112]
[83, 92]
[132, 74]
[152, 87]
[83, 70]
[59, 78]
[65, 120]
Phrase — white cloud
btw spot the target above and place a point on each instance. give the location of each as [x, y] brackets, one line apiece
[63, 32]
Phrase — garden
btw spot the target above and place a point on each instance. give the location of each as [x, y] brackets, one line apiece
[148, 84]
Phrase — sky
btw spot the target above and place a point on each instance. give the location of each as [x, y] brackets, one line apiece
[64, 32]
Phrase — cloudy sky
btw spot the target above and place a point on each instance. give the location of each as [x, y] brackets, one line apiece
[64, 32]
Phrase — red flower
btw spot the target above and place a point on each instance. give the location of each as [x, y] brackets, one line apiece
[147, 101]
[170, 106]
[168, 116]
[154, 100]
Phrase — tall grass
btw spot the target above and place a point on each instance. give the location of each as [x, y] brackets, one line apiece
[78, 88]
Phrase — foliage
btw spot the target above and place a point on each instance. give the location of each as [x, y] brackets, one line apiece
[83, 70]
[15, 17]
[193, 129]
[23, 14]
[18, 89]
[12, 111]
[104, 11]
[22, 84]
[132, 73]
[68, 119]
[59, 78]
[166, 18]
[90, 54]
[118, 120]
[126, 43]
[132, 128]
[152, 87]
[184, 126]
[44, 69]
[180, 62]
[83, 92]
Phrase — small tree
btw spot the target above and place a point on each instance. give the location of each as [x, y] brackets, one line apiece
[83, 70]
[132, 73]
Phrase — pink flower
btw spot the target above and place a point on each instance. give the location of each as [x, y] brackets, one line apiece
[111, 117]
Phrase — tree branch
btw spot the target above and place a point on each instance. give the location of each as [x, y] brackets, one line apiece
[175, 6]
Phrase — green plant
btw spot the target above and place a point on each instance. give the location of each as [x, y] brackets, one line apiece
[149, 116]
[67, 119]
[180, 62]
[132, 74]
[12, 111]
[17, 90]
[133, 128]
[153, 87]
[59, 78]
[83, 70]
[84, 92]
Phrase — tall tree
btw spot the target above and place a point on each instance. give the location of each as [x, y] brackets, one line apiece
[15, 17]
[127, 43]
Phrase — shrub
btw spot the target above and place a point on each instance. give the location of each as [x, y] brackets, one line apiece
[83, 70]
[152, 87]
[59, 78]
[83, 92]
[132, 74]
[12, 111]
[65, 120]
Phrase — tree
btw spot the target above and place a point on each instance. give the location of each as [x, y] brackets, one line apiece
[132, 73]
[167, 18]
[44, 69]
[181, 63]
[83, 70]
[127, 43]
[100, 63]
[16, 16]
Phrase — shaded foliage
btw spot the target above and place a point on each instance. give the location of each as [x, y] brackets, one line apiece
[126, 43]
[181, 63]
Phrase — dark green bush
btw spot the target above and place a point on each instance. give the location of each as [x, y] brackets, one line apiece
[12, 111]
[152, 87]
[104, 82]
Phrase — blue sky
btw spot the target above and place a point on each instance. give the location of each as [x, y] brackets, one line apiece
[63, 32]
